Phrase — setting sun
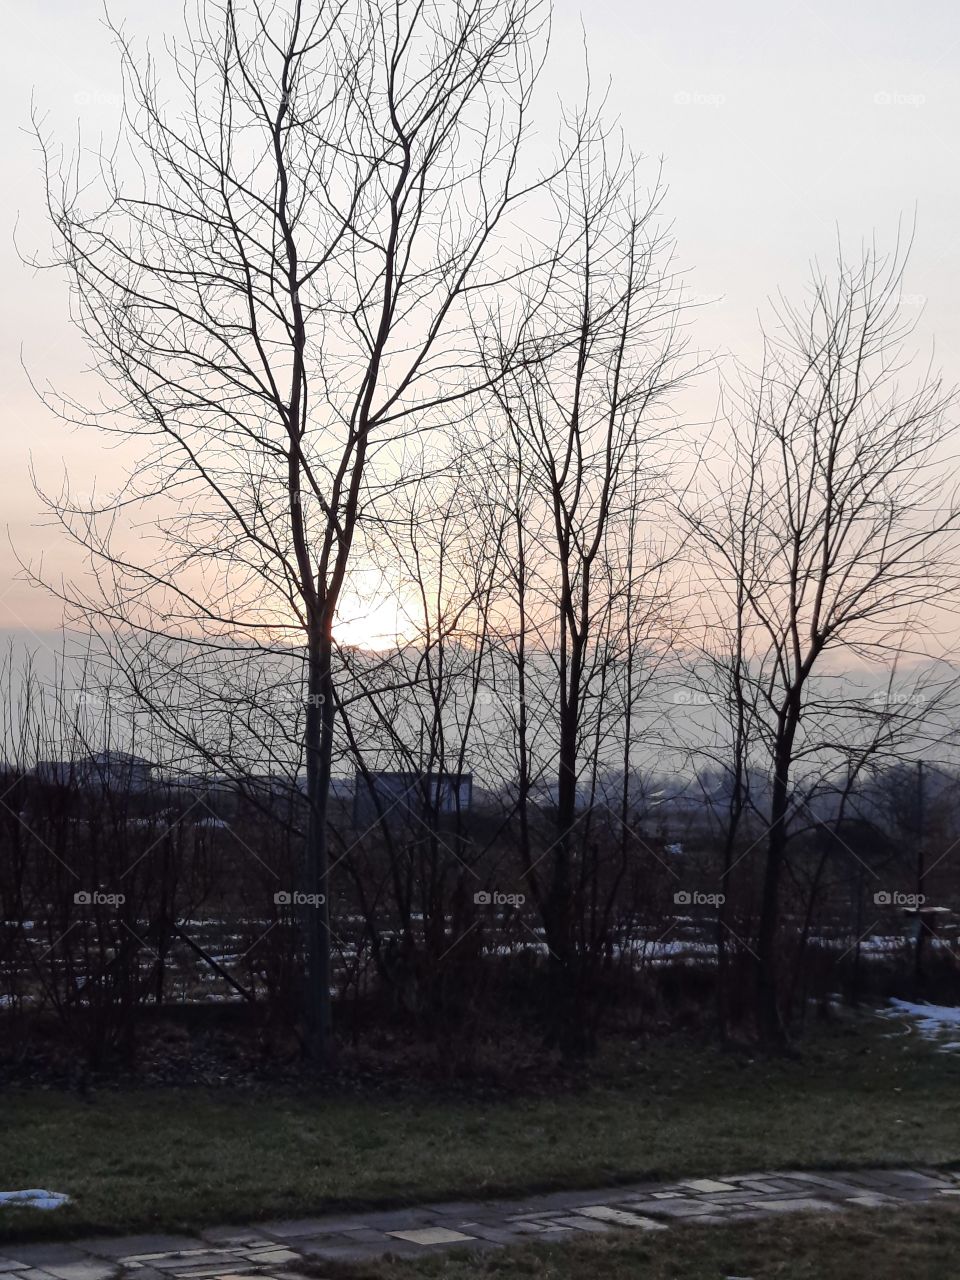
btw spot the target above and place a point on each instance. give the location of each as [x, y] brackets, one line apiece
[373, 624]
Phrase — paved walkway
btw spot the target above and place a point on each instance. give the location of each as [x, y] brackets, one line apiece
[271, 1248]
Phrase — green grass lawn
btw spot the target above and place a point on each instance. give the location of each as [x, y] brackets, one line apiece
[183, 1158]
[867, 1245]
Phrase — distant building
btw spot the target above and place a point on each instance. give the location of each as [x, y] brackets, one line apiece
[104, 771]
[401, 798]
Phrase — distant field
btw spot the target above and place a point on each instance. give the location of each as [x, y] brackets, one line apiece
[864, 1093]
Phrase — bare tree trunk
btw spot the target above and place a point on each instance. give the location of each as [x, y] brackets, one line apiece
[318, 741]
[769, 1018]
[921, 886]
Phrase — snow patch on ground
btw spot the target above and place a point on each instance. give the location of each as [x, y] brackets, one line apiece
[931, 1020]
[34, 1199]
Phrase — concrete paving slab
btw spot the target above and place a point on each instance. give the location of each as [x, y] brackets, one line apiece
[503, 1234]
[683, 1208]
[431, 1235]
[291, 1228]
[620, 1217]
[38, 1256]
[833, 1181]
[139, 1248]
[798, 1205]
[580, 1222]
[398, 1219]
[350, 1252]
[234, 1237]
[708, 1184]
[275, 1257]
[88, 1269]
[194, 1259]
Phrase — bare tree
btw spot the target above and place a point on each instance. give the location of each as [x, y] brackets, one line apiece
[830, 530]
[276, 279]
[587, 449]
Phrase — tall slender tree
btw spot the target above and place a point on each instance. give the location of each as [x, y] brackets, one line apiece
[832, 529]
[276, 275]
[585, 437]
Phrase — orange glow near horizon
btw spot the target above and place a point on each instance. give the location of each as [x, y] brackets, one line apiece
[373, 624]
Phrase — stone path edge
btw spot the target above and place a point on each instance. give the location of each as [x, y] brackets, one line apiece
[266, 1248]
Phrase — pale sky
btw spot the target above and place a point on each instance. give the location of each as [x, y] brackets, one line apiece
[778, 123]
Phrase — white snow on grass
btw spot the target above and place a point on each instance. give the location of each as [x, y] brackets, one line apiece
[931, 1020]
[34, 1199]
